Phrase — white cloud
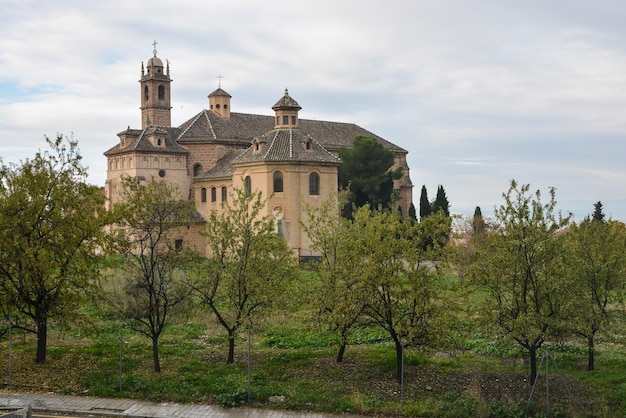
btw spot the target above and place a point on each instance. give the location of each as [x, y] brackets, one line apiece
[478, 93]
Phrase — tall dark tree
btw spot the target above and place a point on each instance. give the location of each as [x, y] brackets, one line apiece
[366, 171]
[425, 207]
[441, 202]
[51, 227]
[412, 213]
[598, 215]
[478, 223]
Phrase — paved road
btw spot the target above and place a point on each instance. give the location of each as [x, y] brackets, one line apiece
[84, 406]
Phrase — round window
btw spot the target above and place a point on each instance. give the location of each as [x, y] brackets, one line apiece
[161, 173]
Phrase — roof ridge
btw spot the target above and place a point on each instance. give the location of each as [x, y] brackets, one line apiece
[190, 125]
[140, 137]
[290, 143]
[272, 142]
[208, 119]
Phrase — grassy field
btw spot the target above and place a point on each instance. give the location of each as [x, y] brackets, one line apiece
[292, 366]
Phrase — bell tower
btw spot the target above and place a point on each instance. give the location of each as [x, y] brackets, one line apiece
[156, 109]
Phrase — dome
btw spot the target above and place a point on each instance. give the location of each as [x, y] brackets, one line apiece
[155, 62]
[286, 102]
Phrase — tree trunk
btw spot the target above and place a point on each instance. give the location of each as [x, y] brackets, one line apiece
[42, 340]
[532, 351]
[231, 347]
[399, 361]
[590, 353]
[155, 354]
[341, 352]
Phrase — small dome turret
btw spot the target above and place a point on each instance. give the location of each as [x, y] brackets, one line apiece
[286, 112]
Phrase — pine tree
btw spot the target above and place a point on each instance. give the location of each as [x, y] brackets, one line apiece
[598, 215]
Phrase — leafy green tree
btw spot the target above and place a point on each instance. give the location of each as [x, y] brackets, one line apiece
[441, 202]
[425, 207]
[366, 171]
[339, 297]
[151, 222]
[402, 279]
[521, 270]
[250, 266]
[51, 227]
[596, 263]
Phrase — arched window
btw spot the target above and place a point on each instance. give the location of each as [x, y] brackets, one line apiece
[145, 93]
[248, 185]
[213, 194]
[278, 182]
[197, 169]
[203, 195]
[224, 193]
[314, 184]
[161, 92]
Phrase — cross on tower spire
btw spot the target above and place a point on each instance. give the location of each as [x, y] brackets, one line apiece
[219, 81]
[154, 44]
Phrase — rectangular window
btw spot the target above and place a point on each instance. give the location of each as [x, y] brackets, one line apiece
[213, 194]
[178, 244]
[285, 120]
[293, 120]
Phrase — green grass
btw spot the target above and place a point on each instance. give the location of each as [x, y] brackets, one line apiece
[290, 358]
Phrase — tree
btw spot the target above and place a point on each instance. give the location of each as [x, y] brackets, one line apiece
[520, 269]
[366, 171]
[412, 213]
[401, 278]
[250, 266]
[51, 226]
[339, 298]
[441, 202]
[478, 222]
[598, 215]
[596, 264]
[425, 207]
[151, 223]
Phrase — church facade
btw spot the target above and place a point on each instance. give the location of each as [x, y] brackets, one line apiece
[293, 162]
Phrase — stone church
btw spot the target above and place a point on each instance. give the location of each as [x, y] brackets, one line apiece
[292, 161]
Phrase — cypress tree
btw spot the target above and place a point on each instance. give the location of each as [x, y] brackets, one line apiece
[441, 202]
[478, 223]
[425, 208]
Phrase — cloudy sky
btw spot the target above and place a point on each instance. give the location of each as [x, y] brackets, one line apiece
[479, 92]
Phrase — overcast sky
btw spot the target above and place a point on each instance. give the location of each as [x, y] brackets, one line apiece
[478, 92]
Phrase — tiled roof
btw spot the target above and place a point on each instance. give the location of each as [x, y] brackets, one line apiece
[286, 102]
[137, 140]
[223, 167]
[219, 92]
[243, 127]
[282, 145]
